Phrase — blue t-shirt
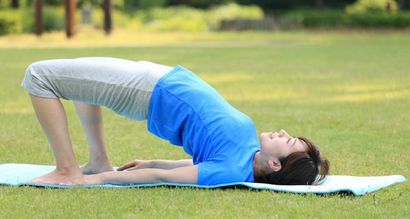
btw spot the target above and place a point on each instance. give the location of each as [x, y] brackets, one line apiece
[188, 112]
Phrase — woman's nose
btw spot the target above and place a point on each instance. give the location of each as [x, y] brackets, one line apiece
[283, 133]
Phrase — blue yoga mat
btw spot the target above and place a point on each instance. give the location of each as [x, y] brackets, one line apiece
[19, 174]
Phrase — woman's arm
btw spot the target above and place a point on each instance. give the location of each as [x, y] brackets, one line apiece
[159, 164]
[188, 175]
[171, 164]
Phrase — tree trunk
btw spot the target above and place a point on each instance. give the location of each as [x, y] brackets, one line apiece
[319, 3]
[70, 6]
[15, 4]
[38, 17]
[107, 16]
[401, 4]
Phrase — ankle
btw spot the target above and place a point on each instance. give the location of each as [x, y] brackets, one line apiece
[99, 161]
[68, 170]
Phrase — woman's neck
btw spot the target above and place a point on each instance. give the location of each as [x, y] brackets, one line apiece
[257, 166]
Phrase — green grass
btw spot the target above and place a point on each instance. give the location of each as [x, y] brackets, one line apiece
[349, 92]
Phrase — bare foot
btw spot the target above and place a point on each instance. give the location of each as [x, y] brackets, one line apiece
[60, 178]
[89, 168]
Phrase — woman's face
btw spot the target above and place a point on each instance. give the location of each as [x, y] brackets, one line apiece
[280, 144]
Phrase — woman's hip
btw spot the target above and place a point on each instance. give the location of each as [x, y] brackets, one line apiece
[122, 85]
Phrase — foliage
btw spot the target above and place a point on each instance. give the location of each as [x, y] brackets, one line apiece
[54, 2]
[199, 3]
[337, 19]
[145, 4]
[372, 6]
[120, 20]
[274, 5]
[9, 22]
[266, 5]
[178, 18]
[131, 6]
[6, 26]
[314, 18]
[4, 3]
[400, 20]
[232, 11]
[53, 19]
[22, 20]
[182, 18]
[91, 2]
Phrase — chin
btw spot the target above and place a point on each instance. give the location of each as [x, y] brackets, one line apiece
[263, 141]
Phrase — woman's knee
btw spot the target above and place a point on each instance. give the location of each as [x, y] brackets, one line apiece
[34, 80]
[38, 68]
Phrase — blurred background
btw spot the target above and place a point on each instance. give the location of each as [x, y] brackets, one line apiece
[335, 71]
[72, 17]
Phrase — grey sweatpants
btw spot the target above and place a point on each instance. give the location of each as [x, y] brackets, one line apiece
[123, 86]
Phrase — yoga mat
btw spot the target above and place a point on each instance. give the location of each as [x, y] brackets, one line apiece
[18, 175]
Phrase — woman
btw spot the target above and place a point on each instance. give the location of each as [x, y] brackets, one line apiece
[179, 107]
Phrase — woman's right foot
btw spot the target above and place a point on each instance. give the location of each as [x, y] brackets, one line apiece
[89, 168]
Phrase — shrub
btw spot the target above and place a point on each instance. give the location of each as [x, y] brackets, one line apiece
[4, 4]
[120, 20]
[372, 6]
[131, 6]
[337, 19]
[217, 14]
[399, 20]
[7, 26]
[180, 18]
[203, 3]
[183, 18]
[10, 21]
[314, 18]
[53, 19]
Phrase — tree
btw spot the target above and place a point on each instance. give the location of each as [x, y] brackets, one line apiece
[15, 4]
[70, 7]
[107, 16]
[39, 17]
[319, 3]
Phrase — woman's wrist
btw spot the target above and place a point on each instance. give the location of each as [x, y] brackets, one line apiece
[150, 164]
[102, 177]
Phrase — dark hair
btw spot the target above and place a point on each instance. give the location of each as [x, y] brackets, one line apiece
[299, 168]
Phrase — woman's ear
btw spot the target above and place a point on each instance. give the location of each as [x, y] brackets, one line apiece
[275, 165]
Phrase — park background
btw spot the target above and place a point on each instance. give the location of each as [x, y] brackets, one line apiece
[335, 71]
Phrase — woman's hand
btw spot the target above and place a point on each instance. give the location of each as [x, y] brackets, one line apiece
[135, 164]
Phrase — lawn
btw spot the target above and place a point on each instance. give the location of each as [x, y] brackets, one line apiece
[347, 91]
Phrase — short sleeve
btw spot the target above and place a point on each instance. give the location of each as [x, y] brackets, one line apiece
[214, 173]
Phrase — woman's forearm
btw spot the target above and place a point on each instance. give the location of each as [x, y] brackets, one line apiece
[148, 175]
[187, 174]
[170, 164]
